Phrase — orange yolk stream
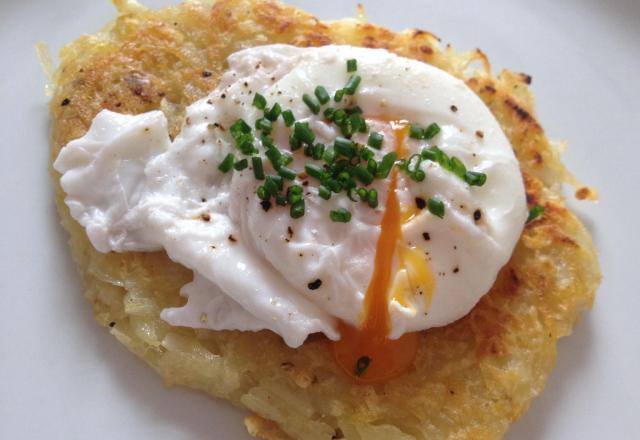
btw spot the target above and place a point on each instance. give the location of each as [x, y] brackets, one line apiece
[366, 353]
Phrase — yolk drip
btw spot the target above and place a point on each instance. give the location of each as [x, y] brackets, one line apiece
[366, 353]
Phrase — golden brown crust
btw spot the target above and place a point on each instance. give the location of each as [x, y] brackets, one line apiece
[471, 379]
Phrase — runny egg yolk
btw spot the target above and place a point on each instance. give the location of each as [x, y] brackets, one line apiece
[366, 353]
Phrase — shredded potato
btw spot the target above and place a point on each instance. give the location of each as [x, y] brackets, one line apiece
[471, 379]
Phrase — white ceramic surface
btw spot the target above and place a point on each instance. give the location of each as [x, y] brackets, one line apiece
[62, 376]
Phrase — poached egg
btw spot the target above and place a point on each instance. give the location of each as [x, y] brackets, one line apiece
[393, 269]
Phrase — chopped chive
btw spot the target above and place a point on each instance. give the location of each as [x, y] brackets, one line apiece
[474, 178]
[366, 153]
[329, 112]
[273, 113]
[324, 192]
[263, 193]
[418, 175]
[294, 194]
[344, 146]
[352, 84]
[227, 163]
[329, 155]
[372, 166]
[352, 65]
[267, 141]
[436, 207]
[264, 125]
[322, 95]
[432, 130]
[302, 131]
[429, 154]
[340, 215]
[287, 173]
[361, 365]
[241, 165]
[415, 131]
[534, 213]
[294, 142]
[308, 150]
[247, 147]
[337, 96]
[375, 140]
[339, 116]
[363, 174]
[297, 209]
[413, 163]
[311, 103]
[285, 159]
[259, 101]
[288, 118]
[372, 198]
[239, 128]
[384, 168]
[258, 170]
[333, 185]
[363, 194]
[273, 154]
[351, 193]
[318, 151]
[275, 180]
[281, 200]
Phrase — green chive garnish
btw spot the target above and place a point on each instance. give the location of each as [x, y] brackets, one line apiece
[267, 141]
[318, 151]
[311, 103]
[259, 101]
[436, 207]
[418, 175]
[314, 171]
[372, 198]
[352, 84]
[297, 209]
[322, 95]
[302, 131]
[415, 131]
[288, 118]
[241, 165]
[375, 140]
[363, 174]
[264, 125]
[294, 194]
[324, 192]
[474, 178]
[329, 155]
[458, 168]
[328, 113]
[340, 215]
[344, 146]
[227, 163]
[287, 173]
[432, 130]
[258, 170]
[384, 168]
[294, 142]
[281, 200]
[337, 97]
[273, 113]
[262, 193]
[535, 212]
[352, 65]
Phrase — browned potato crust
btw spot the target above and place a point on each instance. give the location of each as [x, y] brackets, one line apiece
[471, 379]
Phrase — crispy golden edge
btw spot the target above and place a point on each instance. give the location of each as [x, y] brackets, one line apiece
[471, 378]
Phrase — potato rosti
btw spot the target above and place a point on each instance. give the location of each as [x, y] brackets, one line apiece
[471, 379]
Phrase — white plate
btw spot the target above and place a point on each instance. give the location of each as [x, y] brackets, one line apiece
[62, 376]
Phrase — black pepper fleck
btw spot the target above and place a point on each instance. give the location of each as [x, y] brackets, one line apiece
[112, 324]
[65, 101]
[266, 205]
[232, 239]
[206, 73]
[313, 285]
[480, 134]
[456, 269]
[454, 108]
[420, 203]
[426, 236]
[477, 215]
